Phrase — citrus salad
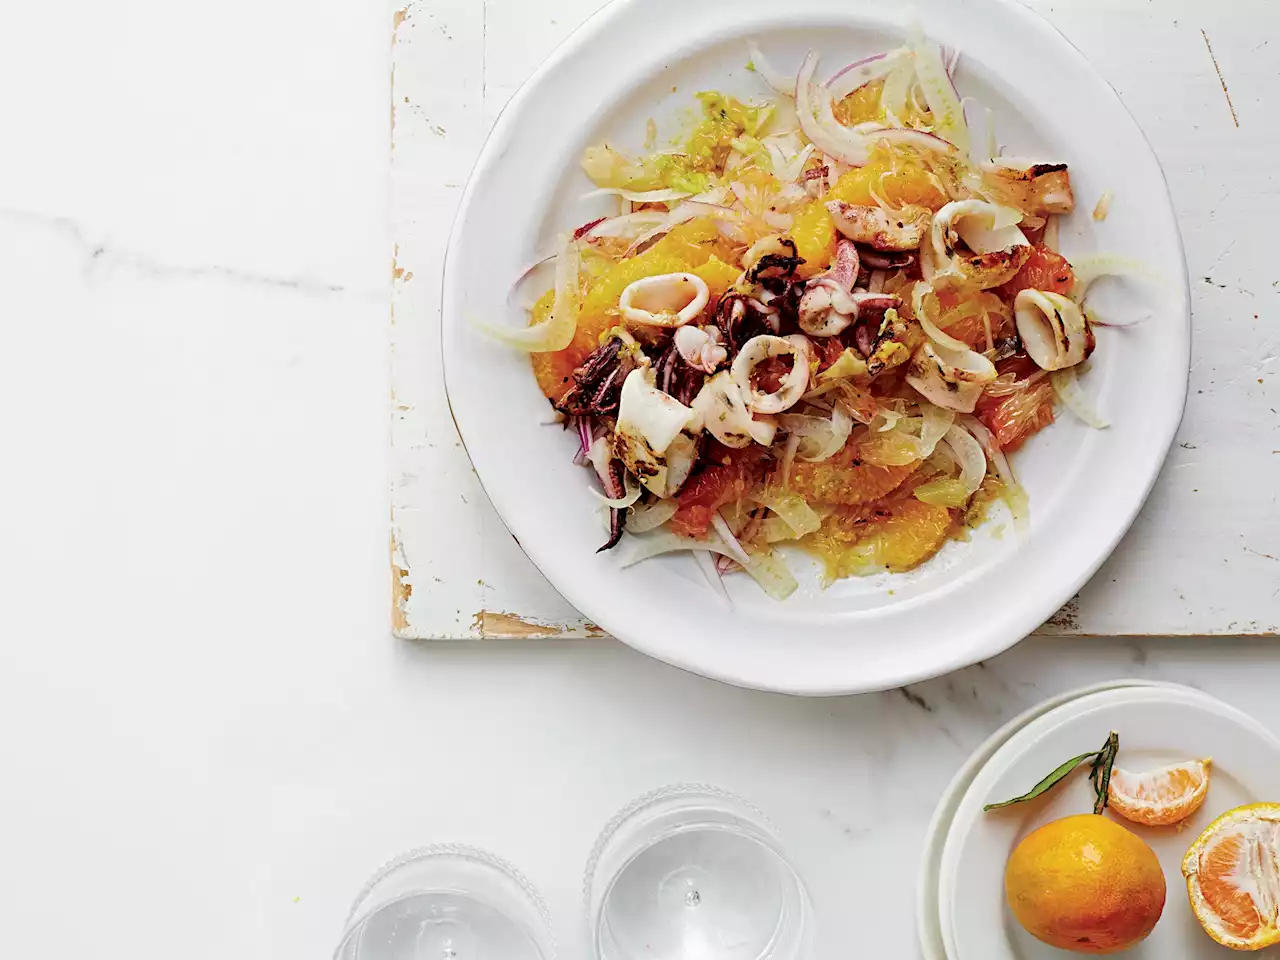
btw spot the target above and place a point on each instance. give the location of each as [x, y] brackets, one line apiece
[822, 320]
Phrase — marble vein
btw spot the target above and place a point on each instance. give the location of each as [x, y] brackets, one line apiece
[96, 254]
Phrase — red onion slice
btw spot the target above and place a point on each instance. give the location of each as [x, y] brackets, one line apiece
[857, 75]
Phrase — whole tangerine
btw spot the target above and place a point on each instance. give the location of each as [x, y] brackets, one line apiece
[1085, 884]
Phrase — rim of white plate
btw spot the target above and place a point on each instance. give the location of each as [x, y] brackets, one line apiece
[711, 641]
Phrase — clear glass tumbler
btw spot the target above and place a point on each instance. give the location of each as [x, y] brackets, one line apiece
[447, 902]
[691, 872]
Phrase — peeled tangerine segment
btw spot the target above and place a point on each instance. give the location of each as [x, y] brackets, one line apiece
[1160, 797]
[1233, 877]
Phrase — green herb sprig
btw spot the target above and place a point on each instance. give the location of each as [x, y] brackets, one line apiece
[1101, 762]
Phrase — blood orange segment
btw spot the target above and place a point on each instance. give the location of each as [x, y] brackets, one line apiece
[731, 475]
[1160, 797]
[1043, 270]
[968, 317]
[1233, 877]
[1014, 418]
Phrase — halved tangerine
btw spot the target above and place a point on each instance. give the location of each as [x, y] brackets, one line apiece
[1233, 877]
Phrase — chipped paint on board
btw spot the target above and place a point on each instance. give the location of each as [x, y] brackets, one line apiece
[1068, 618]
[401, 589]
[493, 625]
[398, 272]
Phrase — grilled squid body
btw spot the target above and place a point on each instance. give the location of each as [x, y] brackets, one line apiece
[668, 300]
[1037, 189]
[649, 424]
[997, 248]
[901, 231]
[826, 309]
[701, 347]
[1053, 329]
[722, 410]
[951, 379]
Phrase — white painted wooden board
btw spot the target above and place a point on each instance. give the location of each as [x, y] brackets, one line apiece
[1204, 556]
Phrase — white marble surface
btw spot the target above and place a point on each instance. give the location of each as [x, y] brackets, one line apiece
[210, 738]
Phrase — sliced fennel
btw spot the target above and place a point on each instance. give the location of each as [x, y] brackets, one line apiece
[1067, 387]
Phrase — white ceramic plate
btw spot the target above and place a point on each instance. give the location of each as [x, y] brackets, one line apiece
[645, 58]
[928, 925]
[1157, 726]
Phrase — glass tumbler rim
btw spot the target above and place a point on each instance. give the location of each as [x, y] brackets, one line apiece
[756, 827]
[498, 866]
[610, 829]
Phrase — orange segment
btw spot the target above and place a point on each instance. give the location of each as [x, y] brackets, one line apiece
[914, 185]
[687, 247]
[897, 178]
[1233, 877]
[814, 234]
[554, 370]
[718, 275]
[862, 105]
[1159, 797]
[896, 535]
[831, 481]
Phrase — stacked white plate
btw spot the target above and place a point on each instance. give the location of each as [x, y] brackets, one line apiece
[961, 912]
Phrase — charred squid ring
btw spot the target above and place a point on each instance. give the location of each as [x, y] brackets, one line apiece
[667, 300]
[1052, 328]
[759, 349]
[990, 231]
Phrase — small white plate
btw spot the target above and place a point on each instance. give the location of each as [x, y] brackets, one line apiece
[642, 59]
[928, 926]
[1157, 726]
